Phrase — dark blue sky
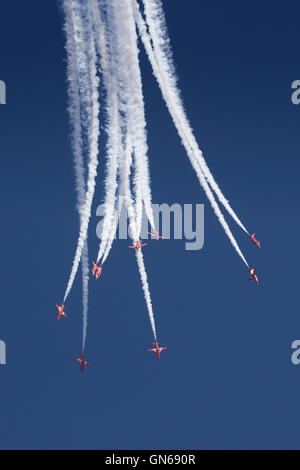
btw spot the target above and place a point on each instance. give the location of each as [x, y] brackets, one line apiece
[226, 380]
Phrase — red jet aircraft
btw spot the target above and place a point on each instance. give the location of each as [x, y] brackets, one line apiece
[61, 312]
[82, 362]
[155, 234]
[255, 241]
[253, 276]
[96, 271]
[157, 350]
[137, 245]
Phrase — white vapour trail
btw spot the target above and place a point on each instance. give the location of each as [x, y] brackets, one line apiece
[134, 139]
[73, 61]
[143, 275]
[118, 73]
[118, 200]
[126, 54]
[166, 77]
[125, 165]
[138, 120]
[105, 61]
[119, 81]
[112, 234]
[198, 169]
[183, 132]
[111, 43]
[85, 283]
[90, 99]
[118, 21]
[76, 74]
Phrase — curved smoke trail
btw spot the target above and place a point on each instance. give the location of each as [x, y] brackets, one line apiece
[195, 164]
[76, 75]
[105, 61]
[160, 57]
[89, 98]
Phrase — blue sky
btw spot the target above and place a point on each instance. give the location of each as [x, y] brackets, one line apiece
[226, 380]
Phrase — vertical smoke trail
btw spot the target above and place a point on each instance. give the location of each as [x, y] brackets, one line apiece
[163, 55]
[106, 64]
[76, 73]
[112, 234]
[143, 275]
[125, 52]
[118, 24]
[138, 121]
[85, 283]
[129, 130]
[116, 67]
[119, 70]
[125, 173]
[74, 109]
[89, 99]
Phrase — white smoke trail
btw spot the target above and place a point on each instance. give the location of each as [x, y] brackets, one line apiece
[85, 283]
[138, 119]
[118, 24]
[134, 137]
[106, 64]
[182, 126]
[162, 64]
[89, 99]
[74, 61]
[118, 201]
[112, 234]
[116, 65]
[131, 96]
[125, 164]
[143, 275]
[189, 150]
[116, 81]
[76, 74]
